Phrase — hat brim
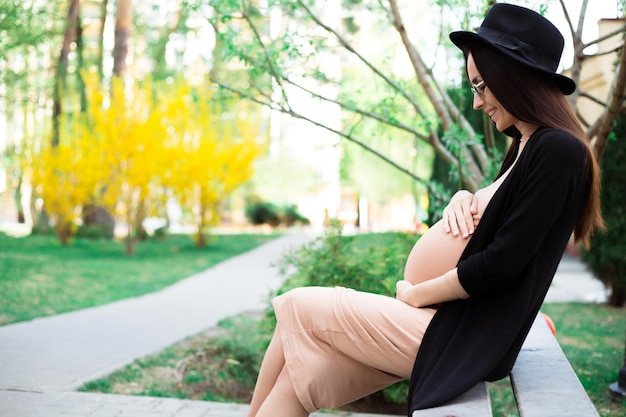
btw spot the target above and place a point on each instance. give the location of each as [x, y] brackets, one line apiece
[464, 40]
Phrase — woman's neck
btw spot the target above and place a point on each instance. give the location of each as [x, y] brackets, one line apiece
[527, 131]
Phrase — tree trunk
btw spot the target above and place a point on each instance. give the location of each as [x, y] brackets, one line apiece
[123, 25]
[64, 231]
[617, 297]
[80, 48]
[21, 215]
[471, 164]
[71, 24]
[131, 242]
[200, 237]
[103, 19]
[616, 101]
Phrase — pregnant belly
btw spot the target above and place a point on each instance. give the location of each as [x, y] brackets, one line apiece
[434, 254]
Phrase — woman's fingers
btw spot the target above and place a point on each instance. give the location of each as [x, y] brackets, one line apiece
[450, 223]
[459, 215]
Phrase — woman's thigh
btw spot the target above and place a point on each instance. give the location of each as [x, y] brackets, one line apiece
[377, 331]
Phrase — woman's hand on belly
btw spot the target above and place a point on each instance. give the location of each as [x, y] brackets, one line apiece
[435, 291]
[460, 217]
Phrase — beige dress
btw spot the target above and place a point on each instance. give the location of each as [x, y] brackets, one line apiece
[341, 345]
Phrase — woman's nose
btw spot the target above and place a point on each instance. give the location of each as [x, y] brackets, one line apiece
[478, 102]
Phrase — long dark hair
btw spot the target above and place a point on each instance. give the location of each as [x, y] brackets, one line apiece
[531, 98]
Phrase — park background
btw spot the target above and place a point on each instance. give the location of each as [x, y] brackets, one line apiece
[186, 113]
[131, 120]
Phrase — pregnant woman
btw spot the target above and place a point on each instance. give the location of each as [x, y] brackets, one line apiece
[475, 281]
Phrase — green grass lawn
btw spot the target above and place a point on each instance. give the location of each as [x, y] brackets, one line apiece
[592, 337]
[38, 277]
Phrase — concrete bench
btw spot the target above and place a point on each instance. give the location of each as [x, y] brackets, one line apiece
[542, 379]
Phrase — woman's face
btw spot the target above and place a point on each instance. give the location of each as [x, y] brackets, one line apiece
[485, 100]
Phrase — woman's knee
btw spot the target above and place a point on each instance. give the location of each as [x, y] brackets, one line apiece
[302, 296]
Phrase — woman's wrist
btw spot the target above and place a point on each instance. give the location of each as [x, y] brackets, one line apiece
[446, 287]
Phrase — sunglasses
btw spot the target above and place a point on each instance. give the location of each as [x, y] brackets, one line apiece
[479, 89]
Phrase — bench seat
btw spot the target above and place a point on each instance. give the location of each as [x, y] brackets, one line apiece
[543, 381]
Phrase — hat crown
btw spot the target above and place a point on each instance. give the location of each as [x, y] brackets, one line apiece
[525, 33]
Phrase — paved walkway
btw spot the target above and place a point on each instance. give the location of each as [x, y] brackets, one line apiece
[43, 361]
[574, 282]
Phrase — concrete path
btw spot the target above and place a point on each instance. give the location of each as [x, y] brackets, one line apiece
[574, 282]
[44, 360]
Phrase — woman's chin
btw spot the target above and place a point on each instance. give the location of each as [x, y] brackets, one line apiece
[500, 126]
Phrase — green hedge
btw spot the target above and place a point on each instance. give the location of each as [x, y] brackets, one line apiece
[607, 258]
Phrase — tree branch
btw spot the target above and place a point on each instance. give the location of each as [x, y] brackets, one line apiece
[270, 64]
[593, 98]
[361, 58]
[448, 113]
[349, 137]
[579, 56]
[368, 114]
[432, 140]
[618, 31]
[618, 93]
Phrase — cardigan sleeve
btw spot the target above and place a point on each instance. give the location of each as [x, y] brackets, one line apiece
[548, 175]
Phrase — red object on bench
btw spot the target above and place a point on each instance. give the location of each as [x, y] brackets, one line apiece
[550, 323]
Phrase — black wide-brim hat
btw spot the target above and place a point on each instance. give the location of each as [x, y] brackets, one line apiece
[522, 35]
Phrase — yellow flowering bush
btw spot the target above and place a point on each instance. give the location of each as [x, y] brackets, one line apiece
[68, 176]
[140, 147]
[215, 151]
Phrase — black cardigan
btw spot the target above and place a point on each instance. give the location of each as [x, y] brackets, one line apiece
[507, 268]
